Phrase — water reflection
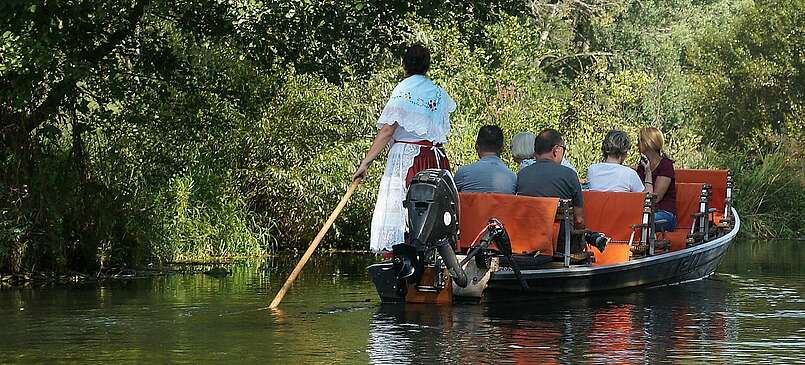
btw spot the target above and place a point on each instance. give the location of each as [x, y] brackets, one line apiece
[752, 310]
[697, 321]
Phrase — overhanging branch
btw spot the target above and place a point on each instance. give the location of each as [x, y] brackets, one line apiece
[54, 99]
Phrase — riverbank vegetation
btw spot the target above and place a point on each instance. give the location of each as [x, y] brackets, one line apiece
[139, 131]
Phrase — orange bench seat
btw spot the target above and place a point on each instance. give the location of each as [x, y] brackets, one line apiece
[532, 227]
[687, 203]
[717, 179]
[612, 213]
[529, 221]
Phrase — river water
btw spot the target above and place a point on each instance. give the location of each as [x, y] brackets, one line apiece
[751, 311]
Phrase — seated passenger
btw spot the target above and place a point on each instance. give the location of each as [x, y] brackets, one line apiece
[546, 177]
[489, 174]
[523, 151]
[611, 175]
[660, 176]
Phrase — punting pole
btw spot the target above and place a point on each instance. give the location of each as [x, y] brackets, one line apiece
[313, 245]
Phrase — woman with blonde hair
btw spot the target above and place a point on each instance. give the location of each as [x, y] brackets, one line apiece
[660, 175]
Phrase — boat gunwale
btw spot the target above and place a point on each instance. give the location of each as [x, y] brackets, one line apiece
[581, 271]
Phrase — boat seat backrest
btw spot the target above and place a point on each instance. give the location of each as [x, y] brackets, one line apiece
[687, 203]
[612, 213]
[529, 221]
[717, 179]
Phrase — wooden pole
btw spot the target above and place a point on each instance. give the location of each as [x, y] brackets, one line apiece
[313, 245]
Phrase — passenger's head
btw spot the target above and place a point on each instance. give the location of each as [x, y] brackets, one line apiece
[416, 60]
[616, 145]
[523, 146]
[650, 139]
[549, 145]
[490, 140]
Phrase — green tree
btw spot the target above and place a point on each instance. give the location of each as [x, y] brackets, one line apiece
[118, 116]
[750, 79]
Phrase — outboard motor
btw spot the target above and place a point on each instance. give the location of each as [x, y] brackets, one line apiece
[433, 214]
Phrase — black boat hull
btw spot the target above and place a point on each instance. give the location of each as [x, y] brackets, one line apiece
[675, 267]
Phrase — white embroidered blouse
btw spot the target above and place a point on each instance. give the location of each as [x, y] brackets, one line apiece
[421, 108]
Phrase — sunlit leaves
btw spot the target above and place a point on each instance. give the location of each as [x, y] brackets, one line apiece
[752, 77]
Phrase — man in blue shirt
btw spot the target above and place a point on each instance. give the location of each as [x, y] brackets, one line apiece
[489, 174]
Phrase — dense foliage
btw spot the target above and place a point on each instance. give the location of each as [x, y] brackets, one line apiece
[163, 130]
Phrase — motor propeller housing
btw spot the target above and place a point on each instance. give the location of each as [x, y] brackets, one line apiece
[433, 213]
[432, 203]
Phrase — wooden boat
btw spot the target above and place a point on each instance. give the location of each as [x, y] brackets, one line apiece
[636, 255]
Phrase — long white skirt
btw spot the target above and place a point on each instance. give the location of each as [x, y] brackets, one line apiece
[390, 217]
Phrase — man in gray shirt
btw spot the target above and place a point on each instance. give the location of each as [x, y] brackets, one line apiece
[547, 177]
[489, 174]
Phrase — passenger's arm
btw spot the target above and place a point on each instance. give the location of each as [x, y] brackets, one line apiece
[579, 212]
[381, 140]
[578, 203]
[648, 184]
[663, 182]
[458, 179]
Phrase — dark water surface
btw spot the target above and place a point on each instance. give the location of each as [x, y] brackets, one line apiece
[751, 311]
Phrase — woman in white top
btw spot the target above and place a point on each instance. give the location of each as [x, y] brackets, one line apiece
[415, 124]
[523, 151]
[611, 175]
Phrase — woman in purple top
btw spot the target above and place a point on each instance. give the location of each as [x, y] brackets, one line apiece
[650, 142]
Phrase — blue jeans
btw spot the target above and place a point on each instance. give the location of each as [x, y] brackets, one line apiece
[667, 216]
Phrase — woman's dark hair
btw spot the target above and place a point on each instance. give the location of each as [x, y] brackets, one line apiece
[546, 140]
[416, 60]
[616, 144]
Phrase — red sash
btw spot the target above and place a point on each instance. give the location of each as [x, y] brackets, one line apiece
[430, 157]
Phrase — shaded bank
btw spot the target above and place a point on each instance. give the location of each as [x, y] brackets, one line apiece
[195, 139]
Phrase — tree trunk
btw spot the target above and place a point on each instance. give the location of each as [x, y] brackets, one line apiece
[543, 37]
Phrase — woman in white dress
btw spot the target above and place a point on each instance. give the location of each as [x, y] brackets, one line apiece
[414, 124]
